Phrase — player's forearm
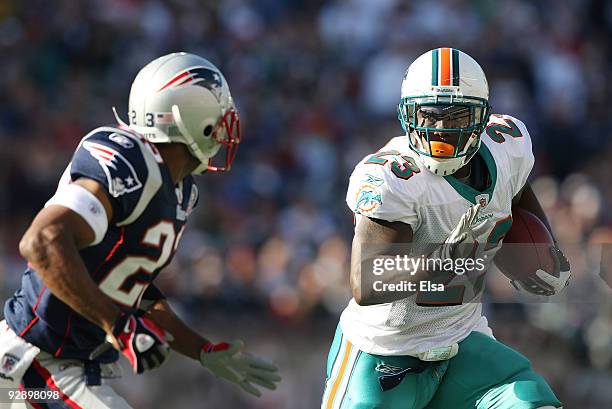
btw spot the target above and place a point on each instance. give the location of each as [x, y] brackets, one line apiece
[530, 202]
[185, 340]
[373, 288]
[56, 259]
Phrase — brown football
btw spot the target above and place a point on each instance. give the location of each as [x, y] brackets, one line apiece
[526, 247]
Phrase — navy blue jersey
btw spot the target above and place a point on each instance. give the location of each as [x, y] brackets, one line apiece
[149, 215]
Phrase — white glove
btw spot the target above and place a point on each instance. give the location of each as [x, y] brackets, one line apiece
[227, 361]
[543, 283]
[465, 234]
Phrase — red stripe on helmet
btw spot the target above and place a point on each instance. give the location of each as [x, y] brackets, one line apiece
[173, 80]
[186, 81]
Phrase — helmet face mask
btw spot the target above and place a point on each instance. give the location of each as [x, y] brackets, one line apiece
[444, 122]
[226, 133]
[183, 98]
[442, 126]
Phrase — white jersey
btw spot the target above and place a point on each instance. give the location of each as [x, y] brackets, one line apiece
[387, 185]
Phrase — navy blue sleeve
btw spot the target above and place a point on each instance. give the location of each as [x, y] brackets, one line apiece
[117, 163]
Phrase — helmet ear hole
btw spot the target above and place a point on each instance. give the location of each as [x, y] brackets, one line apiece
[207, 130]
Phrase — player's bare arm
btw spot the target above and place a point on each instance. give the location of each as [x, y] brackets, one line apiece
[52, 243]
[186, 341]
[378, 232]
[381, 233]
[526, 199]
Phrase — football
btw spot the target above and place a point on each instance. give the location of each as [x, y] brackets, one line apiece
[526, 247]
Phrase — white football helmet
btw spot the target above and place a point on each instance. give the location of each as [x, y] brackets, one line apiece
[444, 108]
[183, 98]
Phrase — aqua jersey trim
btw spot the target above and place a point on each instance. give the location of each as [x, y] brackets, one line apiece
[468, 192]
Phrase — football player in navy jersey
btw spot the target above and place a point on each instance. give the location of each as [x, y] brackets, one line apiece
[114, 223]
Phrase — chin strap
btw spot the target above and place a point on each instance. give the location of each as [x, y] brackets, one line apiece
[119, 120]
[193, 146]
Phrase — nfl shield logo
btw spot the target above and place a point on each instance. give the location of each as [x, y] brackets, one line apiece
[8, 363]
[482, 199]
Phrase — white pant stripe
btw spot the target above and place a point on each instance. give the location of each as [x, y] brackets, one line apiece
[345, 379]
[71, 382]
[334, 371]
[336, 385]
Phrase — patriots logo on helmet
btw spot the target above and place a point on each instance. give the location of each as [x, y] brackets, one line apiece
[199, 76]
[120, 173]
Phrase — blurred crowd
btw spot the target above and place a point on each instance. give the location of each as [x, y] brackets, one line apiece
[316, 84]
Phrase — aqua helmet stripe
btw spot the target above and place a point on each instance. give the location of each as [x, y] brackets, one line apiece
[434, 66]
[455, 57]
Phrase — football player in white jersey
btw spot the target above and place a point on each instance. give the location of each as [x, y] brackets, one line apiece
[446, 187]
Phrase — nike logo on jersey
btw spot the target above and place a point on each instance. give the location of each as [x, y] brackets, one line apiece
[120, 173]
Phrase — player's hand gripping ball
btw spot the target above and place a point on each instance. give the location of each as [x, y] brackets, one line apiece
[530, 258]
